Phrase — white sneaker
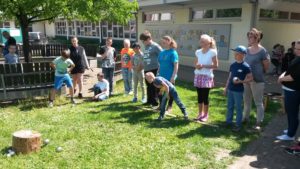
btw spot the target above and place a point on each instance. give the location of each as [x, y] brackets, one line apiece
[130, 93]
[285, 137]
[285, 131]
[50, 104]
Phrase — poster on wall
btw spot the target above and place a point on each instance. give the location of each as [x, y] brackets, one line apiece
[187, 36]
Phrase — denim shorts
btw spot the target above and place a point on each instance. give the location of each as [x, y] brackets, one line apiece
[60, 80]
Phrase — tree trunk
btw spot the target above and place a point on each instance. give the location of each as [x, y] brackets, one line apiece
[24, 23]
[26, 141]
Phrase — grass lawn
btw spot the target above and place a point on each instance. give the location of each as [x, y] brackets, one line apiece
[119, 134]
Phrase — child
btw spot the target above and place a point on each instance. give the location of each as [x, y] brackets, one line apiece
[126, 56]
[61, 65]
[166, 89]
[101, 88]
[239, 73]
[12, 57]
[138, 72]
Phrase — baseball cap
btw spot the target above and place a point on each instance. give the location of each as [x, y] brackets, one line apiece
[240, 49]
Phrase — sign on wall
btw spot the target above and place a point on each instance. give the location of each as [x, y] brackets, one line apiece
[187, 36]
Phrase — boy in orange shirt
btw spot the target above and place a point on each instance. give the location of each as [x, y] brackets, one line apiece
[126, 57]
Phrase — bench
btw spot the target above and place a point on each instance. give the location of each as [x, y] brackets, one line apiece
[23, 80]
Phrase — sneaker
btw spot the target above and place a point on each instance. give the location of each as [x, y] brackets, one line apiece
[204, 117]
[186, 117]
[236, 129]
[200, 115]
[80, 95]
[73, 101]
[285, 131]
[134, 100]
[285, 137]
[155, 107]
[130, 93]
[257, 128]
[144, 100]
[50, 104]
[293, 150]
[160, 118]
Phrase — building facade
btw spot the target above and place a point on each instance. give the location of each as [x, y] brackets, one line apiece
[227, 21]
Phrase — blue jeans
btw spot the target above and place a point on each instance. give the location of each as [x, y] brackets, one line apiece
[234, 100]
[127, 78]
[173, 93]
[291, 104]
[109, 76]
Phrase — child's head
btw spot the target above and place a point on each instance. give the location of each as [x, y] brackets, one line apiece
[126, 43]
[100, 76]
[149, 77]
[145, 37]
[65, 53]
[12, 49]
[168, 42]
[109, 41]
[136, 47]
[239, 53]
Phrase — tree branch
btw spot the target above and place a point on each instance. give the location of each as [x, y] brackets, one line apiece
[39, 20]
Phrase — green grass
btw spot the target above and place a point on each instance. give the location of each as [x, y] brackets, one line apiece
[119, 134]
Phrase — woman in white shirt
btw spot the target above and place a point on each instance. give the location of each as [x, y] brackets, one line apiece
[206, 60]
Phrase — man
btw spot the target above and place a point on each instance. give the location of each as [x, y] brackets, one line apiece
[9, 41]
[152, 50]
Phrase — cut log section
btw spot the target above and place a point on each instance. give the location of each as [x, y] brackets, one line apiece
[26, 141]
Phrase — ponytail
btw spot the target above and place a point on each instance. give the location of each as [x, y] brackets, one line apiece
[173, 43]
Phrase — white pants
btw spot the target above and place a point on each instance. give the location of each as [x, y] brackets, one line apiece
[255, 90]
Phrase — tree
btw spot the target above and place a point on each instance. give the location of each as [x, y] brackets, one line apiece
[26, 12]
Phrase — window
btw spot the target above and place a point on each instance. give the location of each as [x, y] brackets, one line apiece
[77, 28]
[60, 27]
[165, 16]
[154, 17]
[119, 31]
[202, 14]
[295, 16]
[273, 14]
[229, 13]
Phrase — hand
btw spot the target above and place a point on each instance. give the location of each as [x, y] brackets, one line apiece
[199, 66]
[279, 80]
[238, 81]
[172, 80]
[225, 92]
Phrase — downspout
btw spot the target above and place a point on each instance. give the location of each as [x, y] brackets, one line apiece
[254, 13]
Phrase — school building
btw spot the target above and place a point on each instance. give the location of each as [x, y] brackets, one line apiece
[227, 21]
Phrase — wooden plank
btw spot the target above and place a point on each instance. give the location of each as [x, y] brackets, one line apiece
[43, 75]
[48, 75]
[28, 79]
[2, 69]
[37, 76]
[7, 79]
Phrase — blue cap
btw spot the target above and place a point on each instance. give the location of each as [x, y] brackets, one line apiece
[240, 49]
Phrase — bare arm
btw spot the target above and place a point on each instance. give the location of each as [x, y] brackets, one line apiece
[266, 65]
[227, 83]
[174, 72]
[86, 60]
[52, 65]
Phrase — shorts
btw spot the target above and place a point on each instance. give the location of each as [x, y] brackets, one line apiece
[60, 80]
[203, 81]
[77, 70]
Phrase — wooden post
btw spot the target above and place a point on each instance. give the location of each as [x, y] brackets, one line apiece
[26, 141]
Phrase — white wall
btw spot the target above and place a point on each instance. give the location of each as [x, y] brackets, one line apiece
[44, 27]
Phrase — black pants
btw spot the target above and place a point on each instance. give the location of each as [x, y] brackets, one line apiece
[203, 94]
[291, 104]
[152, 91]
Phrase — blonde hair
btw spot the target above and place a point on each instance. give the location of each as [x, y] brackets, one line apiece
[173, 43]
[210, 39]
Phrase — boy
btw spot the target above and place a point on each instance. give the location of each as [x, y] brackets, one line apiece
[166, 89]
[108, 56]
[61, 65]
[239, 73]
[12, 57]
[101, 88]
[138, 72]
[126, 56]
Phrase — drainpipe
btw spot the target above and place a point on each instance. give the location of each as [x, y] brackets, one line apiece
[254, 13]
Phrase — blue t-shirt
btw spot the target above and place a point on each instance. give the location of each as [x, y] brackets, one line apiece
[158, 81]
[11, 58]
[239, 70]
[166, 60]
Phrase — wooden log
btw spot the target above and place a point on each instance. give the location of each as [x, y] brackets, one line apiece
[26, 141]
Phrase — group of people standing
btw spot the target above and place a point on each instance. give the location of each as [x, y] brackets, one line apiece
[280, 59]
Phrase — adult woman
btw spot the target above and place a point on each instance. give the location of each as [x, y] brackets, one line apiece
[259, 60]
[79, 58]
[206, 60]
[168, 63]
[290, 81]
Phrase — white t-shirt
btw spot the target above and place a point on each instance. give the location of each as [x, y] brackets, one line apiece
[103, 85]
[205, 59]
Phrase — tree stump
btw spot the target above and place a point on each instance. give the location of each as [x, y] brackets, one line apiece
[26, 141]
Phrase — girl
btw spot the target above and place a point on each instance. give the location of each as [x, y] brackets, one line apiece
[206, 60]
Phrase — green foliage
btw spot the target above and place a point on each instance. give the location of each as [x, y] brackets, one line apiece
[92, 10]
[117, 133]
